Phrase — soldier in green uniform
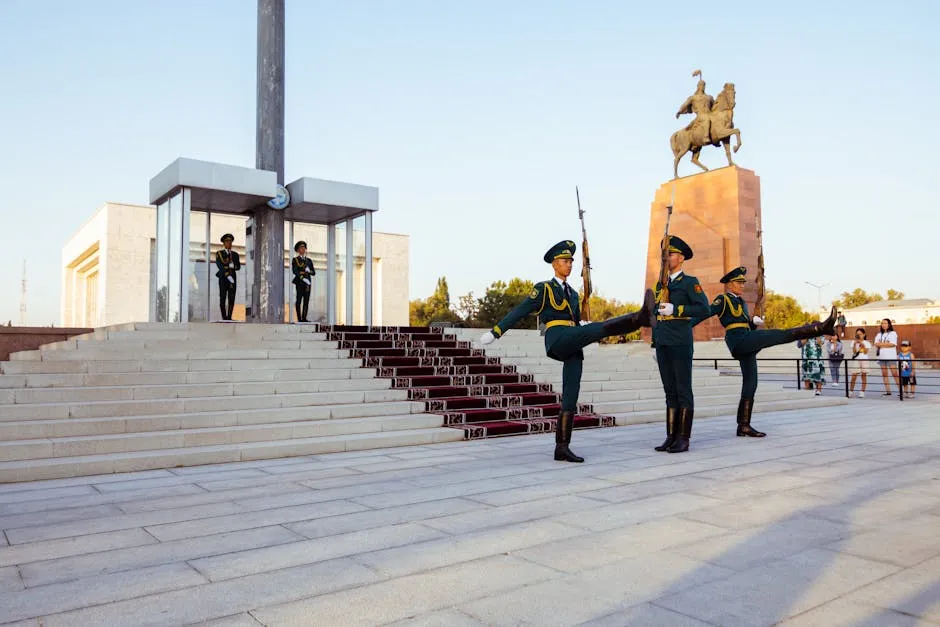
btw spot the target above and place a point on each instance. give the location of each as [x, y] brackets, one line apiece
[744, 340]
[227, 264]
[672, 339]
[558, 309]
[303, 271]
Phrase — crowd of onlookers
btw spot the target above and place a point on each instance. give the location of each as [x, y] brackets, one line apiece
[894, 359]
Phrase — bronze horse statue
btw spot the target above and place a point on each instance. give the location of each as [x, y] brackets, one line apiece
[712, 126]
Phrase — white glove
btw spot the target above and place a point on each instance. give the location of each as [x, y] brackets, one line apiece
[584, 322]
[666, 309]
[487, 338]
[653, 355]
[230, 279]
[231, 264]
[307, 281]
[757, 320]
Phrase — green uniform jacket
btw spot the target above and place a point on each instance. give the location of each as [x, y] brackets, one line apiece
[302, 268]
[690, 301]
[547, 300]
[733, 315]
[222, 259]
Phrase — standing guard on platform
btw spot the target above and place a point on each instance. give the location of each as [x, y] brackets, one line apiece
[227, 264]
[303, 271]
[680, 299]
[558, 309]
[744, 340]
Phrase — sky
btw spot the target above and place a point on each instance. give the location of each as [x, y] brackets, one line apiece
[476, 120]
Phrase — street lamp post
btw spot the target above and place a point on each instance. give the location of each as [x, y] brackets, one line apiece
[819, 289]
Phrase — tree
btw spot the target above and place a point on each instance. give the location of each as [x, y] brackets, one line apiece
[857, 298]
[933, 320]
[783, 312]
[895, 295]
[467, 307]
[499, 300]
[436, 308]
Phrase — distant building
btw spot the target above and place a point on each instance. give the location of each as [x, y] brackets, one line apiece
[907, 311]
[107, 269]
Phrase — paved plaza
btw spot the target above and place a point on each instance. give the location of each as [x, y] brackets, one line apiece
[833, 519]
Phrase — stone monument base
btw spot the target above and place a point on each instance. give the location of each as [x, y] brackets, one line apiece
[717, 213]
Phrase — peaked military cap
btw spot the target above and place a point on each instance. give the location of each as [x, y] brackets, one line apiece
[299, 244]
[677, 245]
[561, 250]
[228, 237]
[735, 275]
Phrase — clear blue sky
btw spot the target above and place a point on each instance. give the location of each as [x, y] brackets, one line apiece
[477, 119]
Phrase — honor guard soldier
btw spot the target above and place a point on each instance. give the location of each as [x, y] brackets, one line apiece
[227, 264]
[672, 339]
[745, 340]
[559, 313]
[302, 267]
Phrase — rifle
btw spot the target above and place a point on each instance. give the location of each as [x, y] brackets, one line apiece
[759, 280]
[663, 296]
[588, 287]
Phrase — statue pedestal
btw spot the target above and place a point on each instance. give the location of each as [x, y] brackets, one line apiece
[717, 214]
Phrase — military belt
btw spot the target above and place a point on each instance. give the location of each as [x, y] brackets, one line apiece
[738, 325]
[660, 318]
[560, 323]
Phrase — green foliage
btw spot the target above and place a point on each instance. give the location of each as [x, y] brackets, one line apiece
[784, 312]
[435, 309]
[895, 295]
[858, 297]
[605, 308]
[499, 300]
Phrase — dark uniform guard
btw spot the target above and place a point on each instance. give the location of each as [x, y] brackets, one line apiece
[227, 264]
[744, 340]
[302, 267]
[672, 339]
[558, 309]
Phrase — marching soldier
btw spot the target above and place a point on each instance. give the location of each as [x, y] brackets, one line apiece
[227, 264]
[303, 271]
[744, 340]
[672, 339]
[558, 309]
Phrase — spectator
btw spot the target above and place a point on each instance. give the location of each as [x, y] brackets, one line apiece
[840, 324]
[886, 348]
[834, 349]
[860, 348]
[908, 376]
[814, 372]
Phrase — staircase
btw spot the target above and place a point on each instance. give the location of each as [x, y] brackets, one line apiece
[622, 380]
[148, 395]
[472, 392]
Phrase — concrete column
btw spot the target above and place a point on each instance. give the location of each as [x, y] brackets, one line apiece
[268, 299]
[368, 269]
[350, 271]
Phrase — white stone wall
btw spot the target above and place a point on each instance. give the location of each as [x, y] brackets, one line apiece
[117, 241]
[898, 315]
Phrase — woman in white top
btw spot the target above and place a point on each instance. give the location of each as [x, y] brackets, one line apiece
[887, 344]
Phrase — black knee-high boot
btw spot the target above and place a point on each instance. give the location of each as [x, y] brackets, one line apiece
[563, 438]
[683, 431]
[671, 414]
[745, 406]
[645, 317]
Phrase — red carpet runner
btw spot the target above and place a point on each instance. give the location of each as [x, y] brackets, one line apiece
[473, 392]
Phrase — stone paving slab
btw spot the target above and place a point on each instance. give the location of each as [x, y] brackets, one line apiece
[833, 519]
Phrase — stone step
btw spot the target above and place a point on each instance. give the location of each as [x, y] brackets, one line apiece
[701, 401]
[32, 470]
[731, 409]
[599, 398]
[632, 383]
[180, 378]
[172, 365]
[104, 409]
[188, 390]
[207, 343]
[39, 449]
[317, 350]
[69, 427]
